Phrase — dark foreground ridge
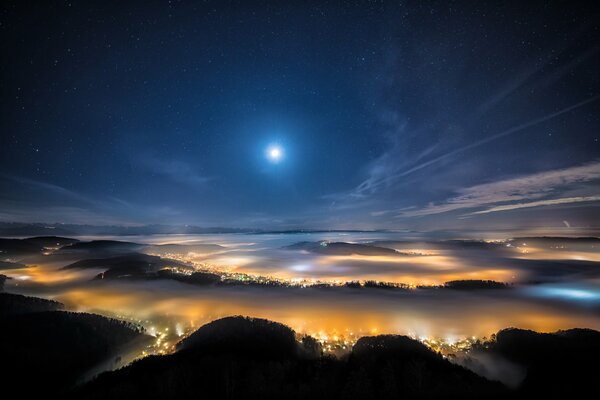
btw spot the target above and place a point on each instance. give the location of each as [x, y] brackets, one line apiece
[558, 364]
[239, 357]
[47, 352]
[14, 304]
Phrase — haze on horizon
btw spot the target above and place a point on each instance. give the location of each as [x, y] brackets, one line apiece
[371, 116]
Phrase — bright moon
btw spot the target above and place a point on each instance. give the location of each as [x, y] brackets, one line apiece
[274, 153]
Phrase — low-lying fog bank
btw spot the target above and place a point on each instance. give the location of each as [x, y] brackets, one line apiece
[327, 284]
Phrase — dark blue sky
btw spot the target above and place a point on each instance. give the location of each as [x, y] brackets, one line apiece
[391, 114]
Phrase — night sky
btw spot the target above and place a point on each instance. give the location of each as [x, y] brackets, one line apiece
[384, 115]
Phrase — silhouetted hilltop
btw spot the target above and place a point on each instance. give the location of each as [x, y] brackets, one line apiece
[394, 366]
[11, 265]
[240, 357]
[147, 267]
[18, 247]
[390, 247]
[559, 365]
[557, 243]
[557, 239]
[386, 346]
[33, 245]
[51, 241]
[195, 278]
[474, 284]
[12, 304]
[469, 284]
[44, 352]
[16, 229]
[385, 285]
[243, 337]
[558, 270]
[341, 248]
[104, 247]
[134, 265]
[449, 244]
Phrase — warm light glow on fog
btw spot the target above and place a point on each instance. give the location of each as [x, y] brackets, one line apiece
[343, 312]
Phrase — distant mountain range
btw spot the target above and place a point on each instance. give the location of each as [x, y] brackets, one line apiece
[37, 229]
[18, 229]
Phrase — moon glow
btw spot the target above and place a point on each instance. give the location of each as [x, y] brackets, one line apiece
[275, 153]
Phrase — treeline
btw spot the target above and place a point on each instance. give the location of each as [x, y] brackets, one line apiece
[247, 358]
[45, 351]
[12, 304]
[558, 365]
[469, 284]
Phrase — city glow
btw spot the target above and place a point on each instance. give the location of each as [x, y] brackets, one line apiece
[309, 292]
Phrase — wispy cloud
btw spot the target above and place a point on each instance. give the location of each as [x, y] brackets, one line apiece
[175, 170]
[47, 201]
[539, 203]
[539, 62]
[372, 183]
[48, 187]
[527, 191]
[387, 170]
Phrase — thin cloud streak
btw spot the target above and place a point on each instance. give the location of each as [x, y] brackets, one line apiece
[359, 196]
[50, 187]
[540, 203]
[521, 189]
[539, 64]
[71, 206]
[175, 170]
[488, 139]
